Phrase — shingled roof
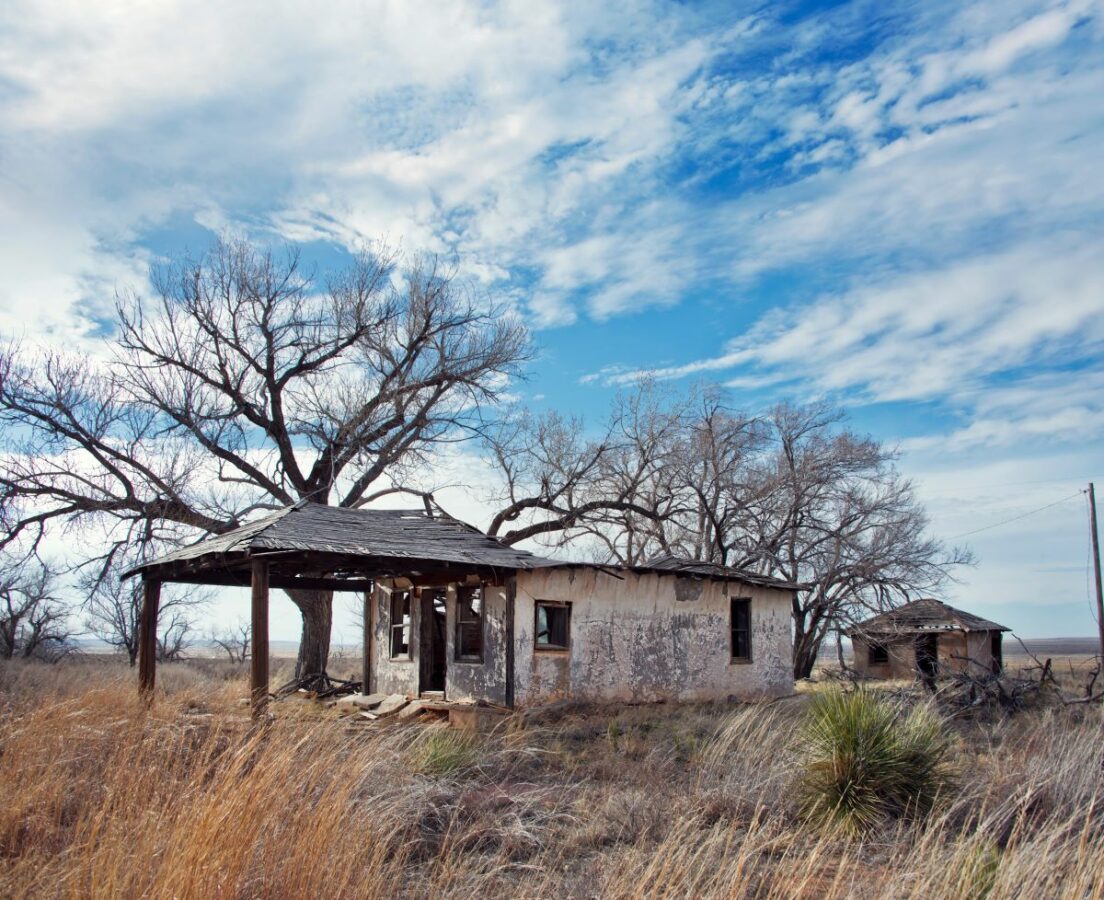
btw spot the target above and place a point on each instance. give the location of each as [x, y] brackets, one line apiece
[373, 536]
[925, 616]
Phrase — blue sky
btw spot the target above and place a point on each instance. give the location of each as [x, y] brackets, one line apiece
[895, 206]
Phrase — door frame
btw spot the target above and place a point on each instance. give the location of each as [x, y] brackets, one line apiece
[927, 655]
[431, 646]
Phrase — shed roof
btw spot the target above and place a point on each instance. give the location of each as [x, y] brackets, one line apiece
[925, 615]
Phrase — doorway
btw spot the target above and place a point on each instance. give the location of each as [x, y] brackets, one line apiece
[432, 658]
[927, 657]
[995, 639]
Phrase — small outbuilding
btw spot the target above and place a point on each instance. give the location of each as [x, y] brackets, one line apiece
[452, 613]
[926, 638]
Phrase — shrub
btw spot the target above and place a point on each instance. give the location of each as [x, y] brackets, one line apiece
[444, 752]
[867, 759]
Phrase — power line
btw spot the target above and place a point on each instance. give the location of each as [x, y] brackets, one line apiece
[957, 491]
[1015, 518]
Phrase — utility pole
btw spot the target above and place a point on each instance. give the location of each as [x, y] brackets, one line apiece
[1096, 565]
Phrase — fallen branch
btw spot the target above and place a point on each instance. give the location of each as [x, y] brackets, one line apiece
[320, 684]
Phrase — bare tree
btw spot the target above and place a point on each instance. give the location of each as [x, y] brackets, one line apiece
[837, 517]
[685, 460]
[233, 641]
[34, 624]
[791, 494]
[175, 637]
[245, 384]
[112, 608]
[558, 484]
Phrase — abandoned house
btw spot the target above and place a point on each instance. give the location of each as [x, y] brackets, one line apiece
[926, 638]
[453, 612]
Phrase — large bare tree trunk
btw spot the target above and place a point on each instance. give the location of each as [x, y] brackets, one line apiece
[805, 655]
[314, 642]
[805, 645]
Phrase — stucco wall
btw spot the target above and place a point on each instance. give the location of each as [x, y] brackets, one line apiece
[902, 658]
[485, 680]
[957, 652]
[392, 676]
[648, 637]
[980, 650]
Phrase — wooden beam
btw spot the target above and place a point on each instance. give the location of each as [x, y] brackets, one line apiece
[275, 581]
[366, 665]
[147, 637]
[258, 680]
[284, 571]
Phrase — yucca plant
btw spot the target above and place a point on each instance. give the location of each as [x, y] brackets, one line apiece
[867, 759]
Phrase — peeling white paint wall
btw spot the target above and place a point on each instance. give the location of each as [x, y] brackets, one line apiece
[649, 637]
[633, 637]
[392, 676]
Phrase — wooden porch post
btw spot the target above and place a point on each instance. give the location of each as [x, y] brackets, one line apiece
[259, 660]
[147, 636]
[366, 665]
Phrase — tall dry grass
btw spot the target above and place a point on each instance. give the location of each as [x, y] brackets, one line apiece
[106, 797]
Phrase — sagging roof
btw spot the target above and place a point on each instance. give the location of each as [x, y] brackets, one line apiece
[364, 534]
[686, 566]
[924, 616]
[332, 541]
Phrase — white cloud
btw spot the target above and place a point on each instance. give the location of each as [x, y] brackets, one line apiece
[531, 137]
[945, 336]
[479, 129]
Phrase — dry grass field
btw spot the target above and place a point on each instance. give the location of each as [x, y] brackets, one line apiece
[105, 797]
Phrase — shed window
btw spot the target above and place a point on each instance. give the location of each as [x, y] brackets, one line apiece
[400, 625]
[741, 629]
[469, 624]
[877, 654]
[553, 629]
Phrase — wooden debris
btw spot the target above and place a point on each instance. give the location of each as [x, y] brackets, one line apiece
[412, 710]
[391, 705]
[320, 684]
[357, 702]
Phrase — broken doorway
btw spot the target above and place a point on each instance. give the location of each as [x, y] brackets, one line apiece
[432, 657]
[927, 658]
[995, 639]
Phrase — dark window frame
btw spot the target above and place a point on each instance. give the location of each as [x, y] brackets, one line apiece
[877, 654]
[558, 606]
[396, 627]
[458, 642]
[735, 629]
